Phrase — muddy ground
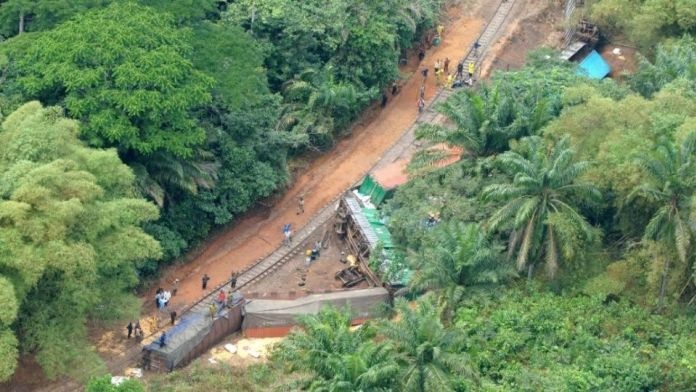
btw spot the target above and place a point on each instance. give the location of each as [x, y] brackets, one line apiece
[318, 180]
[296, 278]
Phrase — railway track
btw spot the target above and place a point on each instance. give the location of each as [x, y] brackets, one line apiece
[273, 261]
[276, 259]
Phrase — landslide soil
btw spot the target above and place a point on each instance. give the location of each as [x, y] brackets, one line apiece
[323, 179]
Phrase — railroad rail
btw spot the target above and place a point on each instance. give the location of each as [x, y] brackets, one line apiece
[277, 258]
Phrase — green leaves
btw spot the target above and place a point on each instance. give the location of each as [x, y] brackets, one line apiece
[125, 71]
[430, 356]
[455, 258]
[340, 359]
[67, 243]
[541, 202]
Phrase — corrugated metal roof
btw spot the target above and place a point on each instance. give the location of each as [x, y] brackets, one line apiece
[572, 49]
[361, 220]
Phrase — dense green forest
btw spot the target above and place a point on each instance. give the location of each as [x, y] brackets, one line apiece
[563, 260]
[144, 125]
[564, 255]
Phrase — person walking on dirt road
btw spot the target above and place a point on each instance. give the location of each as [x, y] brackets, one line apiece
[446, 65]
[421, 93]
[384, 99]
[172, 316]
[175, 287]
[421, 105]
[440, 30]
[129, 327]
[460, 70]
[138, 330]
[424, 72]
[204, 281]
[300, 206]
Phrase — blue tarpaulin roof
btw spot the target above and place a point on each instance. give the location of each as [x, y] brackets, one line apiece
[594, 66]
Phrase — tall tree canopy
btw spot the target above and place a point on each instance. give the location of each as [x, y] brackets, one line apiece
[645, 22]
[70, 239]
[670, 187]
[126, 72]
[540, 204]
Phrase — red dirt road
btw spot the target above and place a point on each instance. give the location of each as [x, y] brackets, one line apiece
[259, 232]
[326, 177]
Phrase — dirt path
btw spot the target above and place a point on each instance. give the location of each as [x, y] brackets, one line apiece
[258, 234]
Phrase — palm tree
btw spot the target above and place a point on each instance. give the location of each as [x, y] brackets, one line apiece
[479, 118]
[455, 257]
[340, 359]
[486, 119]
[315, 106]
[371, 367]
[430, 355]
[670, 187]
[540, 204]
[160, 175]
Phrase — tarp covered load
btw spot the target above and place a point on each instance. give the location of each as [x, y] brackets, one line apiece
[593, 66]
[182, 338]
[379, 185]
[266, 313]
[188, 333]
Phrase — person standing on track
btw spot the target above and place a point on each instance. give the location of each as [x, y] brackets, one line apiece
[212, 309]
[233, 280]
[287, 233]
[471, 70]
[221, 298]
[460, 70]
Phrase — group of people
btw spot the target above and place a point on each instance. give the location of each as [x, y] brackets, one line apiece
[134, 329]
[223, 299]
[453, 80]
[313, 254]
[162, 298]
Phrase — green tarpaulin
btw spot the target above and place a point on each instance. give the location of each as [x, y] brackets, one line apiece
[371, 188]
[372, 216]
